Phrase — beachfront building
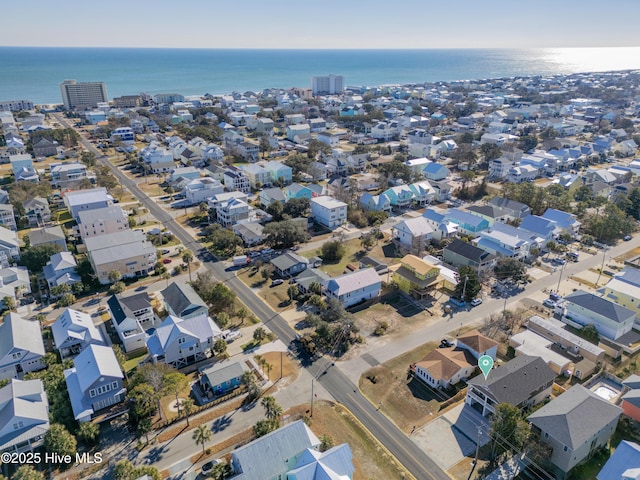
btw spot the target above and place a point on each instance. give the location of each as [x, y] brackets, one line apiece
[82, 95]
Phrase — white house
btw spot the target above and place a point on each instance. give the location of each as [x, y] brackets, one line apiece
[131, 316]
[328, 211]
[200, 190]
[21, 346]
[95, 382]
[73, 331]
[412, 235]
[24, 409]
[354, 287]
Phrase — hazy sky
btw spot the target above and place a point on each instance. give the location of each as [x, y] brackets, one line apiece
[322, 23]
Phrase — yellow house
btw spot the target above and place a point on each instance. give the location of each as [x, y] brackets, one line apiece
[415, 276]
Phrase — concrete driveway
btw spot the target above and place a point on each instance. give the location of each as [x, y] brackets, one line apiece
[452, 436]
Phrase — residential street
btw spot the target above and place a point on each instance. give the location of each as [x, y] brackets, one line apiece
[342, 378]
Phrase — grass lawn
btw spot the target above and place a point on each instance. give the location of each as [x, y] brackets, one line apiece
[279, 360]
[626, 256]
[132, 363]
[276, 297]
[370, 459]
[405, 401]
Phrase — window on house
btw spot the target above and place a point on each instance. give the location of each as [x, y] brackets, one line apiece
[566, 449]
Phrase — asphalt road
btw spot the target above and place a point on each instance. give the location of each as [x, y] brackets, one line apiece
[343, 390]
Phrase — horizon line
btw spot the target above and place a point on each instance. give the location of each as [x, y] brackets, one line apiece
[315, 48]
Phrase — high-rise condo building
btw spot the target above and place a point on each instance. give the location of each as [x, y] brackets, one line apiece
[327, 85]
[82, 95]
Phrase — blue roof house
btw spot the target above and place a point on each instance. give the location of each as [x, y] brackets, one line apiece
[468, 223]
[436, 171]
[295, 190]
[567, 222]
[623, 464]
[400, 196]
[95, 382]
[378, 203]
[279, 172]
[541, 227]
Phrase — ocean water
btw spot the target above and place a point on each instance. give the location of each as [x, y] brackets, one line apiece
[34, 73]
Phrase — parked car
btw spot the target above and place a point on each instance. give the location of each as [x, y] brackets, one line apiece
[276, 282]
[558, 261]
[208, 467]
[549, 303]
[555, 297]
[626, 238]
[475, 302]
[166, 260]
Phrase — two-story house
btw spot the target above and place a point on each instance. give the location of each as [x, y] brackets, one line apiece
[8, 216]
[522, 382]
[21, 346]
[37, 211]
[412, 235]
[200, 190]
[183, 341]
[65, 175]
[612, 320]
[95, 382]
[355, 287]
[127, 252]
[459, 253]
[47, 236]
[236, 180]
[131, 316]
[415, 276]
[181, 300]
[231, 211]
[61, 269]
[258, 175]
[575, 424]
[73, 331]
[9, 247]
[102, 221]
[82, 200]
[329, 212]
[24, 408]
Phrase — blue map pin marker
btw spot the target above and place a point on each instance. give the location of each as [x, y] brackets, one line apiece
[485, 362]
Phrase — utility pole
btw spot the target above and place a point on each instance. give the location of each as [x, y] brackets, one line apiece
[464, 287]
[604, 255]
[560, 278]
[311, 412]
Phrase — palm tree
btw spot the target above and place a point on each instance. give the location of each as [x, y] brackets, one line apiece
[242, 314]
[187, 257]
[188, 407]
[271, 407]
[202, 435]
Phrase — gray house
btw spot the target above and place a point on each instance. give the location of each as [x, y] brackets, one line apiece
[522, 382]
[73, 331]
[48, 236]
[575, 425]
[222, 378]
[131, 316]
[181, 300]
[95, 382]
[513, 209]
[24, 410]
[182, 341]
[459, 253]
[21, 347]
[289, 264]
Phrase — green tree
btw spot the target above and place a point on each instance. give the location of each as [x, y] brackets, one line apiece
[297, 207]
[262, 427]
[223, 242]
[222, 320]
[59, 440]
[66, 300]
[590, 333]
[201, 435]
[528, 142]
[275, 209]
[117, 287]
[59, 290]
[259, 334]
[88, 158]
[248, 380]
[9, 303]
[88, 433]
[143, 401]
[124, 470]
[114, 276]
[220, 347]
[272, 410]
[242, 313]
[468, 285]
[143, 427]
[187, 407]
[510, 269]
[35, 258]
[187, 257]
[292, 292]
[175, 383]
[265, 146]
[326, 442]
[284, 234]
[27, 472]
[367, 240]
[221, 471]
[508, 429]
[490, 151]
[153, 375]
[332, 251]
